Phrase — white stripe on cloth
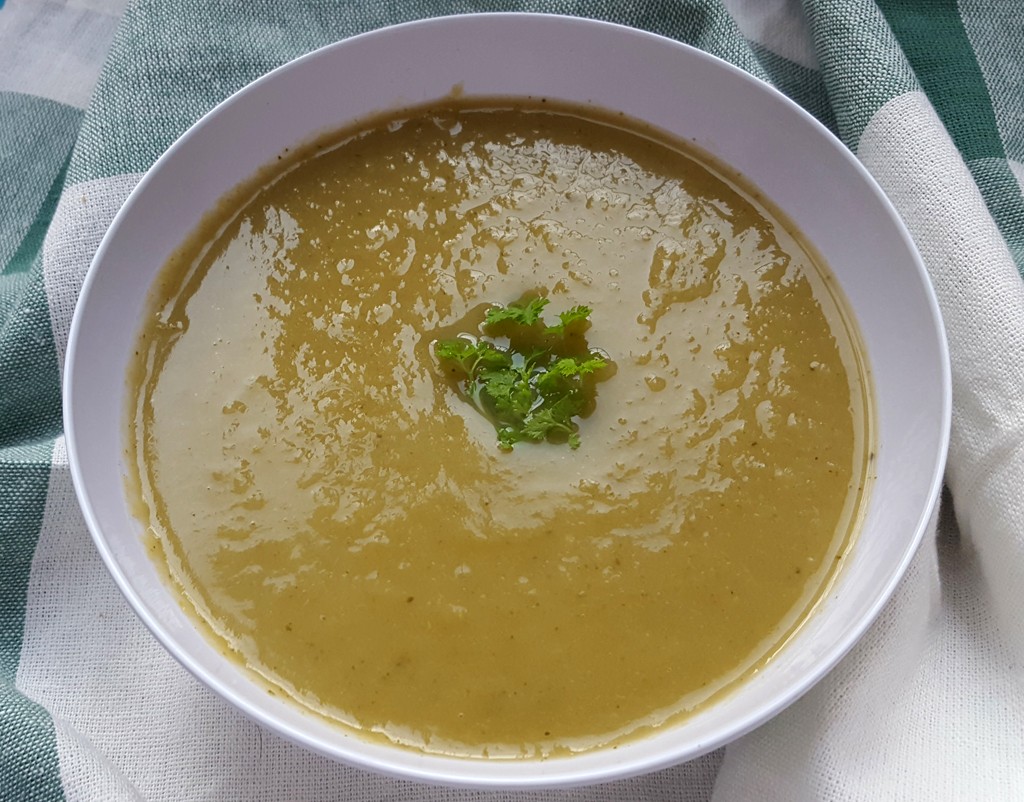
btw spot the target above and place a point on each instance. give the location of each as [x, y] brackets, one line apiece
[1017, 168]
[982, 300]
[56, 49]
[778, 25]
[63, 576]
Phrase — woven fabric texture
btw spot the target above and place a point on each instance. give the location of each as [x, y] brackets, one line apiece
[929, 705]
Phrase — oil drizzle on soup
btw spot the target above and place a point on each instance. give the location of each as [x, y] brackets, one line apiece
[346, 526]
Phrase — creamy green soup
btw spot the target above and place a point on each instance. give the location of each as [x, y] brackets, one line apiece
[345, 525]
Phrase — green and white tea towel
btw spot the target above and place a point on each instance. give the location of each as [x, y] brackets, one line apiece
[929, 94]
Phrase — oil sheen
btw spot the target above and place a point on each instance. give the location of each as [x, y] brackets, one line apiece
[345, 525]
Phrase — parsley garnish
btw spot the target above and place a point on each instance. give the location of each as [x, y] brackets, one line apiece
[529, 378]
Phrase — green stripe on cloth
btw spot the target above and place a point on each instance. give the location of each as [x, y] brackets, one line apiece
[800, 83]
[36, 138]
[950, 76]
[166, 71]
[24, 477]
[861, 63]
[29, 768]
[995, 31]
[32, 243]
[953, 81]
[30, 394]
[1002, 193]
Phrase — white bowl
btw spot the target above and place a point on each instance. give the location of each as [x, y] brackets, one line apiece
[782, 150]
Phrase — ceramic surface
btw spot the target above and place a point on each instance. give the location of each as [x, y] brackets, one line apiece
[780, 149]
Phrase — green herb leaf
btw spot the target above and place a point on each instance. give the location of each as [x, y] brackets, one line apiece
[572, 317]
[535, 387]
[527, 315]
[550, 419]
[511, 393]
[472, 357]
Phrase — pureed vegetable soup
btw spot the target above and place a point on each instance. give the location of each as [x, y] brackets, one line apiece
[348, 526]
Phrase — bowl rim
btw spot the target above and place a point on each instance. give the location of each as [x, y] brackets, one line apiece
[441, 770]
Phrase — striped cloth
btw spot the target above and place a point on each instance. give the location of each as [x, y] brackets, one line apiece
[928, 94]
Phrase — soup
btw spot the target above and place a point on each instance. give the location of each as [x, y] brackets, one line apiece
[349, 529]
